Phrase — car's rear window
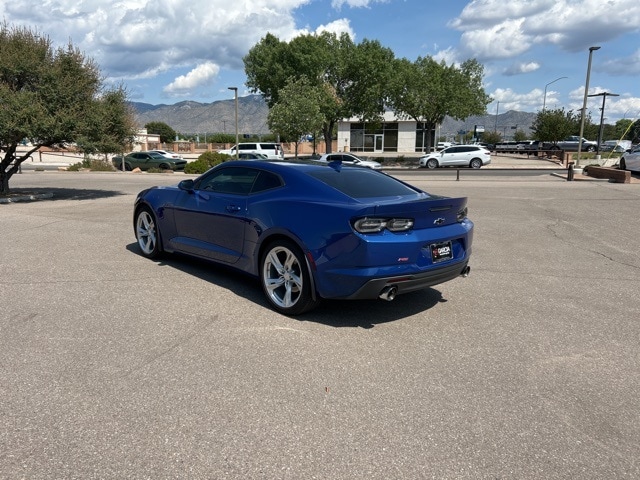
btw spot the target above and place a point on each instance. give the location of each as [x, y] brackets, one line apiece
[363, 183]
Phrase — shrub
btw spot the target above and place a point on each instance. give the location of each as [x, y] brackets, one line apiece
[92, 164]
[205, 162]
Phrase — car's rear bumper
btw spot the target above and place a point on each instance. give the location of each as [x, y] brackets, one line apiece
[409, 283]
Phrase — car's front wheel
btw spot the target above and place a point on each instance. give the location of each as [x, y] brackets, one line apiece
[623, 164]
[432, 163]
[147, 233]
[475, 163]
[285, 278]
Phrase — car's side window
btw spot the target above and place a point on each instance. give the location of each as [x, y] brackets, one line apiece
[266, 181]
[234, 180]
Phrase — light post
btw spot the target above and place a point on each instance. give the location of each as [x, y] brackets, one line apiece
[544, 100]
[235, 91]
[584, 103]
[604, 96]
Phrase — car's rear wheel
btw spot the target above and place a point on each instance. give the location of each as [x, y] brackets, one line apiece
[432, 163]
[475, 163]
[147, 233]
[285, 278]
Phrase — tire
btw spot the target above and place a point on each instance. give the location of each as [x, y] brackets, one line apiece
[554, 148]
[623, 164]
[147, 233]
[475, 163]
[164, 166]
[127, 167]
[432, 163]
[591, 148]
[285, 278]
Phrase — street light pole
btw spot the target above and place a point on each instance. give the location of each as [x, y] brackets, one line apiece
[584, 102]
[235, 91]
[544, 100]
[604, 96]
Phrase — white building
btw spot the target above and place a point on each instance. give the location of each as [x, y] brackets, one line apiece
[393, 135]
[144, 141]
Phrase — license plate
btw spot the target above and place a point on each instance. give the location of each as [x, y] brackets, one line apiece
[441, 252]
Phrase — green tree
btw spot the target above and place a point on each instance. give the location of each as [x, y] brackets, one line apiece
[53, 97]
[353, 78]
[520, 136]
[626, 129]
[298, 111]
[109, 126]
[427, 91]
[492, 137]
[555, 125]
[167, 134]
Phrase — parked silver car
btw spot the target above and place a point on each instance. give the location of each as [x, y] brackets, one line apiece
[473, 156]
[631, 160]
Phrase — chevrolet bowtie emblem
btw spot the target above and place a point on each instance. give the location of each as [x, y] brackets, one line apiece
[438, 221]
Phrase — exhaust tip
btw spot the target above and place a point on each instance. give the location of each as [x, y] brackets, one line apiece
[388, 293]
[465, 272]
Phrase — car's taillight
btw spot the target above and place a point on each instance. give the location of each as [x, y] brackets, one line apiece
[462, 214]
[376, 225]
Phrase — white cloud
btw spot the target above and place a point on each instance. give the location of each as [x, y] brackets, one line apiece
[337, 4]
[623, 66]
[519, 68]
[503, 40]
[494, 29]
[338, 27]
[511, 100]
[140, 38]
[202, 75]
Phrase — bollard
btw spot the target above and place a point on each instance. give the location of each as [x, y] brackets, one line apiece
[570, 172]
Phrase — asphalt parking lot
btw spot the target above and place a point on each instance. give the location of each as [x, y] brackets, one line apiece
[115, 366]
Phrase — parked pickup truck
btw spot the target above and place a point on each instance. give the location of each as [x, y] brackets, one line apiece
[570, 144]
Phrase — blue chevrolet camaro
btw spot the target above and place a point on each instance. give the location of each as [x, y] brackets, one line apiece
[310, 231]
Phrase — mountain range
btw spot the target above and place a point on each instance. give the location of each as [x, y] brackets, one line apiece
[219, 117]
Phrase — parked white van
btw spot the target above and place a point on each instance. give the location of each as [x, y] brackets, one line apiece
[273, 151]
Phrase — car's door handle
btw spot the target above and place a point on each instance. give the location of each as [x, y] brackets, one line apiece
[233, 208]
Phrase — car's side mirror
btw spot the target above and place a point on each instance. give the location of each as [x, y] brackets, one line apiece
[186, 185]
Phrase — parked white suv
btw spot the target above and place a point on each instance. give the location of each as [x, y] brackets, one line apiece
[273, 151]
[474, 156]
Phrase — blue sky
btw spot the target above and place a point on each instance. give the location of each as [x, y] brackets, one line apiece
[167, 51]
